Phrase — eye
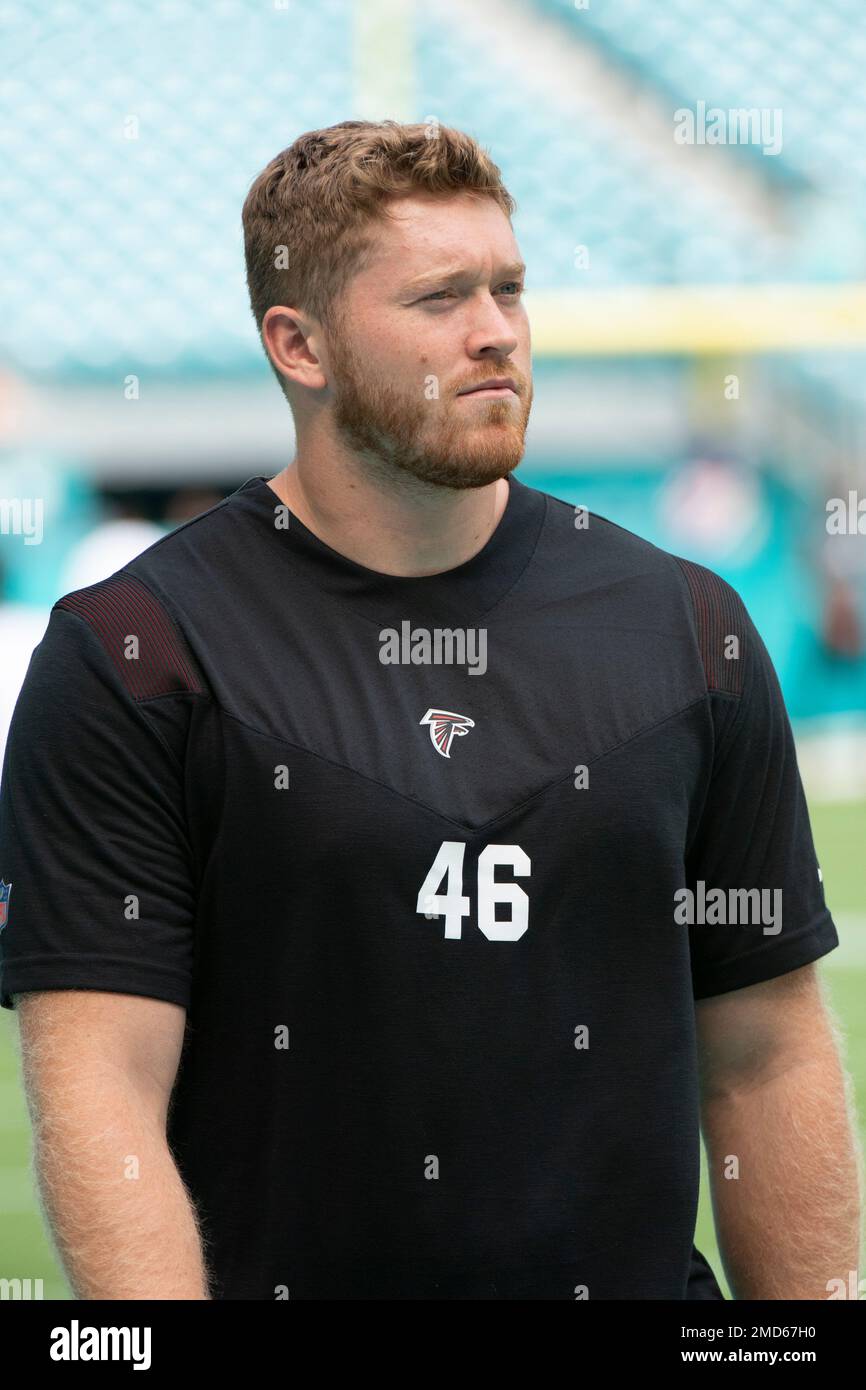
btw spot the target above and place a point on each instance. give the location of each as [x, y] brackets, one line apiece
[513, 293]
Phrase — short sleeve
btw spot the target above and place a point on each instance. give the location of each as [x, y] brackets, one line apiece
[753, 831]
[96, 879]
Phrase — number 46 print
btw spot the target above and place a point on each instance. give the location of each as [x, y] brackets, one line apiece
[454, 906]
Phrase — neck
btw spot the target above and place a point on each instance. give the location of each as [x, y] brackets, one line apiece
[407, 529]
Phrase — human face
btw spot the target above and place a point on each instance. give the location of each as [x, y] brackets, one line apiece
[438, 310]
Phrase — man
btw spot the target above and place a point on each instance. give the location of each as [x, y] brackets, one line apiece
[360, 837]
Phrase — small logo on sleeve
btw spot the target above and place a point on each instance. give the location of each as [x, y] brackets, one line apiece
[443, 727]
[5, 890]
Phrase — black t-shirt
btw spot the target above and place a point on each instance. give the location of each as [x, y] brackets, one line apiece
[412, 853]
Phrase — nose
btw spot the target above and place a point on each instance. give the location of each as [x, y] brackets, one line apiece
[492, 333]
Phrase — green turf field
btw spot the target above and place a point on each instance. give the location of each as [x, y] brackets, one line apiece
[840, 836]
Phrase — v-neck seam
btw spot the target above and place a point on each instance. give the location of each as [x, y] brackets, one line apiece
[483, 826]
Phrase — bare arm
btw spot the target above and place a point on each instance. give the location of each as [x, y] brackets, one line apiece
[98, 1070]
[777, 1109]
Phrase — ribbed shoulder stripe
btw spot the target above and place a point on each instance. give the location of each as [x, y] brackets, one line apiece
[719, 615]
[121, 607]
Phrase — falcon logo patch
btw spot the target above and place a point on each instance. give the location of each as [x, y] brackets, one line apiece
[5, 890]
[443, 727]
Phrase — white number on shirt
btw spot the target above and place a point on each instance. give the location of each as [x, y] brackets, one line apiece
[454, 906]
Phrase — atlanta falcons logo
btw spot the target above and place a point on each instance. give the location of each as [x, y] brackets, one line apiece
[443, 726]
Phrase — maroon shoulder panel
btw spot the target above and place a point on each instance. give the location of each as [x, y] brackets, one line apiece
[719, 615]
[121, 608]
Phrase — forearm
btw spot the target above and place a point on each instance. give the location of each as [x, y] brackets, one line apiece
[120, 1215]
[784, 1175]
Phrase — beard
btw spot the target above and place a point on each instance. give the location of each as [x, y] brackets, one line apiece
[439, 442]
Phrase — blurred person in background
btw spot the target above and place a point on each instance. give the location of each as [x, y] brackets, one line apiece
[713, 506]
[841, 562]
[124, 533]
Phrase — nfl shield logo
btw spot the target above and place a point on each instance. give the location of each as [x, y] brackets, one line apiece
[5, 890]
